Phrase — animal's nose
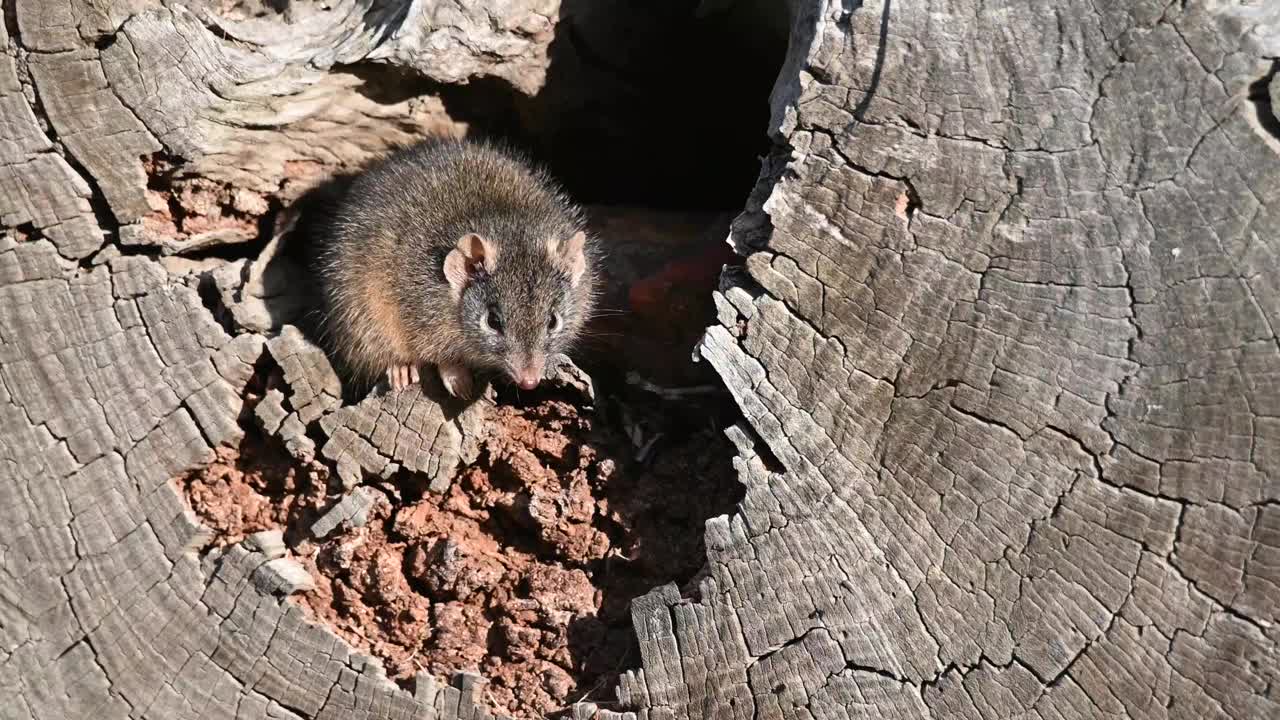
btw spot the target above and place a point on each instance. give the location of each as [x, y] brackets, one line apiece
[528, 379]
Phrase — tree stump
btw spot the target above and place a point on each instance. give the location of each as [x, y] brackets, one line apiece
[1004, 343]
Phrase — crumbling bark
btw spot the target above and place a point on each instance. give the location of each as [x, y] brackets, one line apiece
[1005, 345]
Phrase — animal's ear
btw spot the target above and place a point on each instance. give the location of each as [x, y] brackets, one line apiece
[572, 255]
[471, 256]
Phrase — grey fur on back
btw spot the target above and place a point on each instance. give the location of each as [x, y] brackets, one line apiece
[386, 297]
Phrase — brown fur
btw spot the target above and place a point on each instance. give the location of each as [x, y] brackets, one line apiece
[388, 300]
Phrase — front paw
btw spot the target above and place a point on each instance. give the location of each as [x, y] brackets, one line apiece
[400, 377]
[457, 380]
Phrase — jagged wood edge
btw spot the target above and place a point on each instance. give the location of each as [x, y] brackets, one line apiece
[1008, 354]
[115, 378]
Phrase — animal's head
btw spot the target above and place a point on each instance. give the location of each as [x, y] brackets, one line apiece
[521, 303]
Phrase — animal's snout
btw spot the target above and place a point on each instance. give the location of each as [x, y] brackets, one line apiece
[528, 379]
[527, 370]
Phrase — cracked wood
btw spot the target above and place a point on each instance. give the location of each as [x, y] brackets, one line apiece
[1006, 349]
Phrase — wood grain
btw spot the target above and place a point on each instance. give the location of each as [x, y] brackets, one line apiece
[1005, 346]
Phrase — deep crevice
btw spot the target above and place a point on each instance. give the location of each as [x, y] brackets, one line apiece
[644, 103]
[1260, 98]
[481, 577]
[102, 213]
[207, 290]
[186, 209]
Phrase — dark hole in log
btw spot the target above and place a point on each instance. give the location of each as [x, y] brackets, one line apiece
[653, 116]
[1261, 94]
[646, 103]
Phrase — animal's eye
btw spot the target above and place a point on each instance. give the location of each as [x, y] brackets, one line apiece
[493, 320]
[554, 323]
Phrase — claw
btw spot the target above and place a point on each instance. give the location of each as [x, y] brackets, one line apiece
[456, 380]
[400, 377]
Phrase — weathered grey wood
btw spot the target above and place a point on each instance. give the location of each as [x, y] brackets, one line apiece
[37, 187]
[1006, 349]
[352, 509]
[115, 377]
[1009, 340]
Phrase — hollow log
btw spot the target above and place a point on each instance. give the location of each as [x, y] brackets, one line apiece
[1004, 342]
